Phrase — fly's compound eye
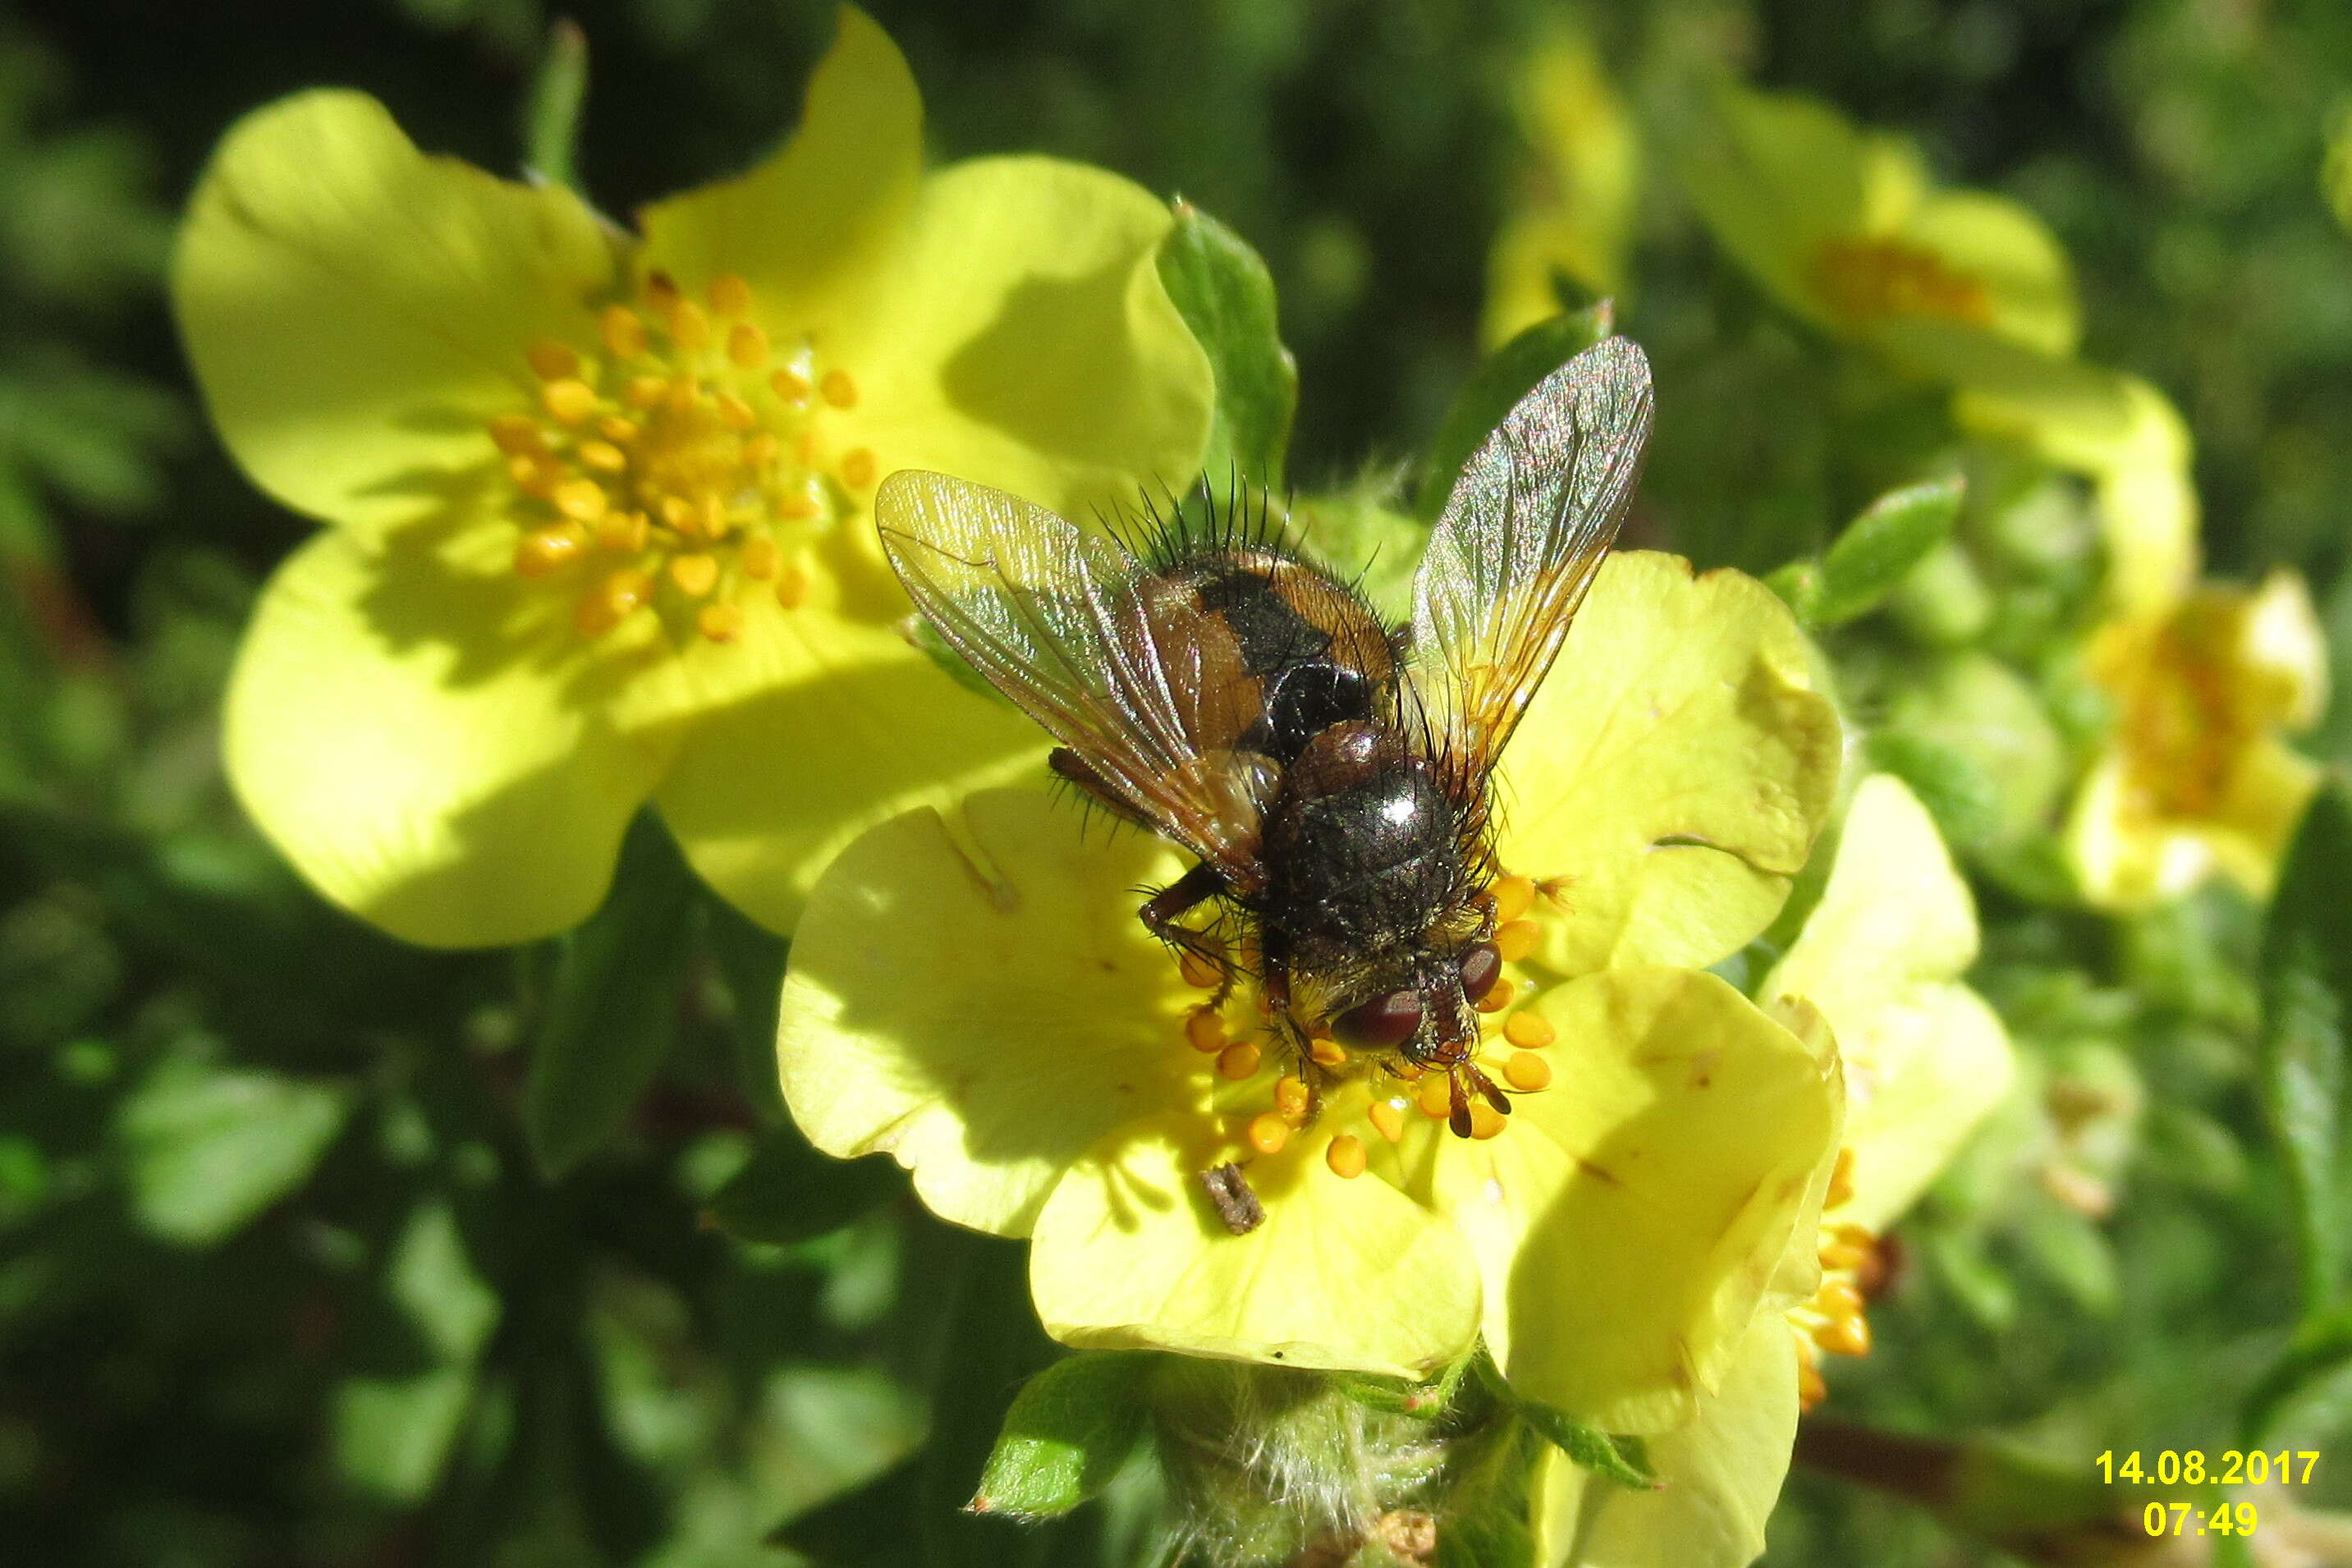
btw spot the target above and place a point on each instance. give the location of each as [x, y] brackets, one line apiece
[1380, 1022]
[1481, 967]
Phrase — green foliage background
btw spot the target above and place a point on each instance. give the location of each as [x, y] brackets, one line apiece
[280, 1279]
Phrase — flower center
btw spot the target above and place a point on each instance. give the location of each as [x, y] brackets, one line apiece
[1509, 1056]
[1870, 280]
[1837, 1321]
[2184, 723]
[674, 467]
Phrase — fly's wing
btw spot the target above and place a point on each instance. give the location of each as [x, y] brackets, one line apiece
[1522, 535]
[1063, 622]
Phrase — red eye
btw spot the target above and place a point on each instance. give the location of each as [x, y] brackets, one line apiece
[1382, 1022]
[1481, 966]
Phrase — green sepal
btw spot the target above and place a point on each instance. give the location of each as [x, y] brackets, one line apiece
[1495, 387]
[1624, 1460]
[2306, 975]
[611, 1007]
[2320, 1348]
[1442, 1396]
[787, 1192]
[1070, 1429]
[550, 115]
[1488, 1496]
[1870, 560]
[1222, 289]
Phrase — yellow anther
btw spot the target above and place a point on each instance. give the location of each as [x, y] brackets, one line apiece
[759, 558]
[646, 391]
[792, 587]
[690, 329]
[1530, 1030]
[838, 389]
[551, 361]
[857, 468]
[1386, 1120]
[1237, 1061]
[1198, 970]
[1810, 1389]
[543, 551]
[603, 457]
[1436, 1098]
[1498, 999]
[720, 623]
[682, 396]
[1527, 1072]
[694, 575]
[1268, 1132]
[619, 431]
[760, 450]
[1326, 1053]
[747, 346]
[791, 386]
[730, 295]
[1514, 897]
[1204, 1029]
[623, 331]
[1841, 1187]
[1485, 1121]
[623, 530]
[1345, 1156]
[569, 401]
[583, 500]
[794, 508]
[661, 292]
[517, 434]
[736, 412]
[1838, 1299]
[1516, 939]
[1846, 1336]
[1290, 1097]
[612, 600]
[533, 476]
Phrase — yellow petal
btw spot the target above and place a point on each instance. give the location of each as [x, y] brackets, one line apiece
[2027, 285]
[982, 1001]
[1023, 339]
[1881, 956]
[406, 726]
[1673, 769]
[356, 313]
[2284, 653]
[1630, 1222]
[808, 229]
[1578, 211]
[1722, 1476]
[1346, 1274]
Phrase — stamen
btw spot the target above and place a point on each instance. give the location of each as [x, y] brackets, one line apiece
[790, 385]
[1485, 1121]
[1436, 1098]
[1498, 999]
[541, 552]
[791, 588]
[1204, 1029]
[1528, 1071]
[759, 558]
[694, 575]
[1198, 972]
[517, 434]
[569, 401]
[1326, 1053]
[1841, 1187]
[623, 331]
[747, 346]
[583, 500]
[690, 329]
[553, 360]
[1386, 1120]
[1268, 1132]
[720, 623]
[1346, 1157]
[1291, 1097]
[1237, 1061]
[730, 295]
[1516, 939]
[858, 470]
[838, 389]
[1514, 897]
[1530, 1030]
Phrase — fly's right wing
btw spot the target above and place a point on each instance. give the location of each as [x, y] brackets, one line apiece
[1063, 622]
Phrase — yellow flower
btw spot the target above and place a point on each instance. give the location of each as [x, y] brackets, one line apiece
[1926, 1058]
[976, 997]
[598, 499]
[2195, 779]
[1575, 216]
[1843, 226]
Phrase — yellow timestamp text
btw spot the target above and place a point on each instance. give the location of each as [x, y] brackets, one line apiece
[2181, 1519]
[2190, 1466]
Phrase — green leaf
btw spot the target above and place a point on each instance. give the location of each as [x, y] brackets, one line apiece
[1877, 551]
[2320, 1348]
[2305, 982]
[1221, 288]
[1621, 1459]
[1495, 387]
[1070, 1430]
[392, 1435]
[1488, 1493]
[559, 91]
[751, 959]
[1957, 791]
[436, 1284]
[787, 1192]
[208, 1148]
[611, 1008]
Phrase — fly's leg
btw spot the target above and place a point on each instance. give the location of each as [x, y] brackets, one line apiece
[1195, 888]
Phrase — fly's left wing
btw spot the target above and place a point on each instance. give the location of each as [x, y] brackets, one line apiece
[1521, 536]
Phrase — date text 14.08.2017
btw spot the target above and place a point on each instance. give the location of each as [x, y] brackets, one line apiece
[2190, 1466]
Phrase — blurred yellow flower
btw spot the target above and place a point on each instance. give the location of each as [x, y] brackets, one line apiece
[1574, 216]
[2195, 779]
[1877, 964]
[1843, 226]
[598, 499]
[974, 995]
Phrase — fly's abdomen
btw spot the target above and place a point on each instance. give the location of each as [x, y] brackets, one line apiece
[1367, 859]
